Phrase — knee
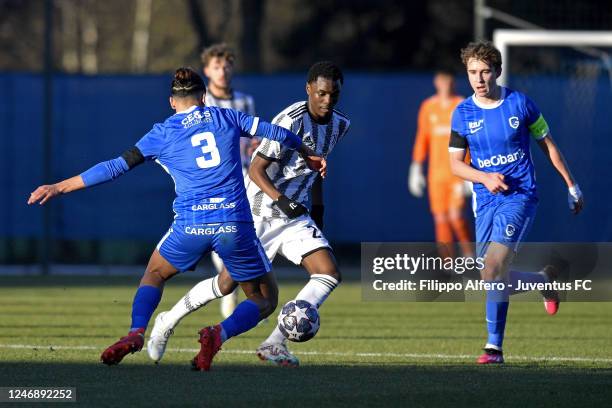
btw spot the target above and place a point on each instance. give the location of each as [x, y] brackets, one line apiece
[492, 271]
[226, 284]
[440, 218]
[153, 277]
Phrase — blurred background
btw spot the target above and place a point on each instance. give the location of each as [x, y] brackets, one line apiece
[83, 80]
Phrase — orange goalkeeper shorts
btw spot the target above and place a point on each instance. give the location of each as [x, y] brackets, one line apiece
[445, 195]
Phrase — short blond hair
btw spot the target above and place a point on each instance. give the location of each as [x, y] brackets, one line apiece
[482, 51]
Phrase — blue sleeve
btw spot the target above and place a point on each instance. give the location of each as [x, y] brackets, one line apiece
[252, 126]
[278, 134]
[151, 144]
[105, 171]
[532, 113]
[457, 123]
[246, 123]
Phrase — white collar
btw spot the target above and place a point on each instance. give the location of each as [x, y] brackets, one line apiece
[191, 108]
[492, 106]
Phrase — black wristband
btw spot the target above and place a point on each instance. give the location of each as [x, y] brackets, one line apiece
[316, 213]
[290, 208]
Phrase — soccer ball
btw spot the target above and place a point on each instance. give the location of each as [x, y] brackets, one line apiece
[299, 320]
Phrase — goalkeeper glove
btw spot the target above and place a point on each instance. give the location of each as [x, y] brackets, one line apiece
[574, 196]
[416, 179]
[289, 207]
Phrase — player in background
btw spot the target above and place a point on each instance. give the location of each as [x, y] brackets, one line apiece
[218, 67]
[287, 204]
[199, 147]
[496, 125]
[446, 191]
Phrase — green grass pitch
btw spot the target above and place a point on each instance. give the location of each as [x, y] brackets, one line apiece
[53, 329]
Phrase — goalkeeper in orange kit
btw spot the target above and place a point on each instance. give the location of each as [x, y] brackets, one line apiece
[446, 191]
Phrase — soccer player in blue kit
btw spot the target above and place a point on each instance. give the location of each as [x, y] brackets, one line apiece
[496, 125]
[200, 148]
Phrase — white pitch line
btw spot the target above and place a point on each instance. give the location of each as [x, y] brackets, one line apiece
[337, 354]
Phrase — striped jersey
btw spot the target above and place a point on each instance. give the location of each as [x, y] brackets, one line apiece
[498, 139]
[288, 170]
[243, 103]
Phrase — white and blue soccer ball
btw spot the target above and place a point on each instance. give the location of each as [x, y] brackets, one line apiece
[299, 320]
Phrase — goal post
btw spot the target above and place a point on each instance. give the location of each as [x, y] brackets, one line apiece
[582, 40]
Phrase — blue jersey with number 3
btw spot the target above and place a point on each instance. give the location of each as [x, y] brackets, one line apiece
[200, 149]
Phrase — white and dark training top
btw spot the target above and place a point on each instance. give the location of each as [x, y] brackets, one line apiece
[288, 170]
[239, 101]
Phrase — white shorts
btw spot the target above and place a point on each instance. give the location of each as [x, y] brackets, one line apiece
[294, 239]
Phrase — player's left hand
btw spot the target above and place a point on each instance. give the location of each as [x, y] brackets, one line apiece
[575, 199]
[43, 194]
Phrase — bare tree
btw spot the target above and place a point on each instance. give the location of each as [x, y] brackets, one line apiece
[89, 40]
[140, 40]
[69, 35]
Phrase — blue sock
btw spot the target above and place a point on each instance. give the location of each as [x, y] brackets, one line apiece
[496, 312]
[145, 301]
[244, 318]
[525, 277]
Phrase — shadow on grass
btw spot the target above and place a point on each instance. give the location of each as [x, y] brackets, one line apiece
[232, 385]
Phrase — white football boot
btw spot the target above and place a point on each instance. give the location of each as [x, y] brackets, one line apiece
[159, 338]
[277, 354]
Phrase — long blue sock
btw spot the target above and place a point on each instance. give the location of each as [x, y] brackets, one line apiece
[525, 277]
[496, 312]
[244, 318]
[145, 301]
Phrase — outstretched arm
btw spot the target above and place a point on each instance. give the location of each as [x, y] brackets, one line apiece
[551, 150]
[44, 193]
[98, 174]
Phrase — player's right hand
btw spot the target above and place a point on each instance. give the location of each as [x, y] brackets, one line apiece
[317, 163]
[289, 207]
[43, 194]
[494, 182]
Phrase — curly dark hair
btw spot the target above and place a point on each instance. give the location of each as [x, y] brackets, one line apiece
[483, 51]
[325, 69]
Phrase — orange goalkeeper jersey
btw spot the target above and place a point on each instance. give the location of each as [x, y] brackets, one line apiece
[433, 133]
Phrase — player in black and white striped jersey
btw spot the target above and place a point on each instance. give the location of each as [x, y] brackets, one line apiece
[288, 172]
[286, 196]
[218, 67]
[287, 205]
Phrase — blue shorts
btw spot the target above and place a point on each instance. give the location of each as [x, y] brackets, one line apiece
[235, 243]
[506, 221]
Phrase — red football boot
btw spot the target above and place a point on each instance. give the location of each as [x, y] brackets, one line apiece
[210, 340]
[491, 356]
[551, 297]
[129, 344]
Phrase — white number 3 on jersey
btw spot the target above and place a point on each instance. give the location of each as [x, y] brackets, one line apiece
[209, 148]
